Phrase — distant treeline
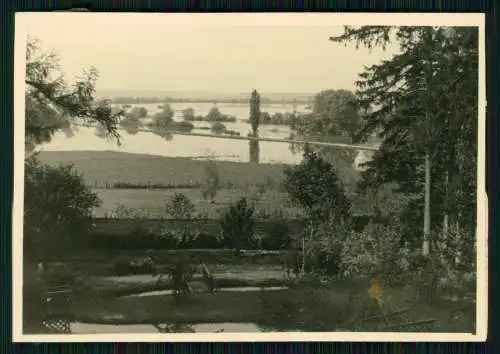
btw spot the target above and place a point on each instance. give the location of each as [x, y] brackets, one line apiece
[263, 100]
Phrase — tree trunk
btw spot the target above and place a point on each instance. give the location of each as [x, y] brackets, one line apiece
[446, 216]
[427, 208]
[303, 270]
[458, 241]
[446, 219]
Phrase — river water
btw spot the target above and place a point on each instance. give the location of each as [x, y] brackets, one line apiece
[191, 146]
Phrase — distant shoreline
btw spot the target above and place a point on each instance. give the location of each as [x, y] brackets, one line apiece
[159, 100]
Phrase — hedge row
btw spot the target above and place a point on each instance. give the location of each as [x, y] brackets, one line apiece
[277, 236]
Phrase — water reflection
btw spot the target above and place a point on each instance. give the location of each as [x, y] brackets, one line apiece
[254, 151]
[154, 143]
[96, 328]
[134, 141]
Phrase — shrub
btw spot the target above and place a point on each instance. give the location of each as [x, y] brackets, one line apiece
[121, 211]
[218, 128]
[211, 181]
[203, 240]
[180, 207]
[325, 257]
[188, 114]
[277, 237]
[145, 238]
[373, 252]
[57, 209]
[237, 224]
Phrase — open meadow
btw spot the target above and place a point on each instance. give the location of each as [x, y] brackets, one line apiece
[151, 203]
[101, 167]
[154, 180]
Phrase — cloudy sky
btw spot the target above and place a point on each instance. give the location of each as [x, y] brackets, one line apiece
[163, 52]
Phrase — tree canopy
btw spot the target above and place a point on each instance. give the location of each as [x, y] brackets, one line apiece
[57, 203]
[313, 184]
[423, 100]
[53, 105]
[255, 111]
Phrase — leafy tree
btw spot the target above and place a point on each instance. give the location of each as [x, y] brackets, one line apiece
[164, 118]
[255, 111]
[334, 112]
[51, 105]
[188, 114]
[314, 185]
[57, 204]
[180, 207]
[334, 118]
[265, 118]
[57, 208]
[423, 103]
[214, 115]
[211, 182]
[138, 112]
[237, 225]
[131, 122]
[143, 112]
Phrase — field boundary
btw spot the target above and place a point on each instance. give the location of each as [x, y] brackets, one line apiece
[210, 226]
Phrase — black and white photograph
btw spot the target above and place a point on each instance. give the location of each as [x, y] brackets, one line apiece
[194, 177]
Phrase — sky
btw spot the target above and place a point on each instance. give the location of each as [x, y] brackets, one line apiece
[157, 52]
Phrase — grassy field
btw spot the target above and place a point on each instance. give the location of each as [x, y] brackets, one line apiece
[151, 203]
[100, 167]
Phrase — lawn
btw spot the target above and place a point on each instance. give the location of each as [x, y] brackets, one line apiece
[310, 304]
[306, 307]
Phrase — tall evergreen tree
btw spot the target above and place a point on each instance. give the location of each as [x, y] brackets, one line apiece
[424, 103]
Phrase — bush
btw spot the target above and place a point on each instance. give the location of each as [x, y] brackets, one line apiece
[57, 209]
[141, 238]
[203, 240]
[211, 181]
[373, 252]
[237, 224]
[180, 207]
[277, 237]
[324, 257]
